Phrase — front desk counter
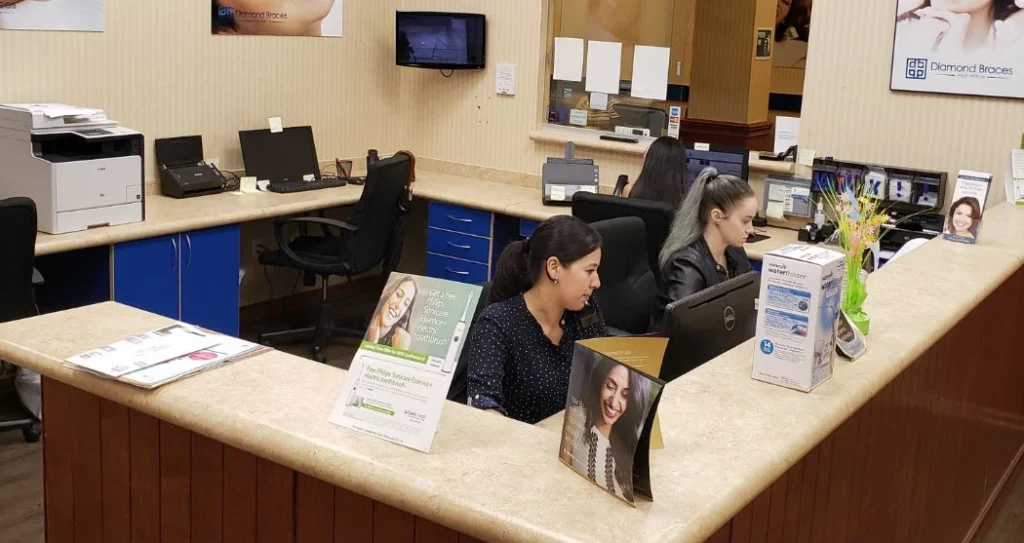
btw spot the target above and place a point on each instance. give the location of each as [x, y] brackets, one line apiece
[910, 443]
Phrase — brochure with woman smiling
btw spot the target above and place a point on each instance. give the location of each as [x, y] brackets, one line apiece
[399, 378]
[610, 423]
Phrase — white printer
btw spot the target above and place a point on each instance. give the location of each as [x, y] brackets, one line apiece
[81, 169]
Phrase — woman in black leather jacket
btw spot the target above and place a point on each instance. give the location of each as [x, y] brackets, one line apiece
[705, 245]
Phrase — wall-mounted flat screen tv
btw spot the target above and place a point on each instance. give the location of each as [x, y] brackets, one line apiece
[446, 41]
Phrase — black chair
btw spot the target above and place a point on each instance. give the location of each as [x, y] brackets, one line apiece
[372, 236]
[628, 290]
[17, 294]
[620, 185]
[657, 217]
[458, 390]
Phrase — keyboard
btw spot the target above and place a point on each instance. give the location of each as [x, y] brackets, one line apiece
[302, 186]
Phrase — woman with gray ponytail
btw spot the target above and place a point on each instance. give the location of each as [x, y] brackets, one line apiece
[705, 245]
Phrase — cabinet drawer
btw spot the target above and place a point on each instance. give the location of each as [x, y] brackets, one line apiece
[443, 267]
[462, 246]
[460, 219]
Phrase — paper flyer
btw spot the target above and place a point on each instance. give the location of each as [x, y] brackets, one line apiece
[963, 221]
[399, 379]
[144, 350]
[75, 15]
[610, 423]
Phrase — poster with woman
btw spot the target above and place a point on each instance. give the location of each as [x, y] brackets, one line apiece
[792, 30]
[970, 47]
[277, 17]
[81, 15]
[609, 415]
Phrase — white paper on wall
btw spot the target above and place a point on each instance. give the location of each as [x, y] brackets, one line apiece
[604, 64]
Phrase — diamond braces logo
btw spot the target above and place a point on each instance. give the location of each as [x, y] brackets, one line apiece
[917, 68]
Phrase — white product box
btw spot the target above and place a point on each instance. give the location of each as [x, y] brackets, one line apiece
[801, 292]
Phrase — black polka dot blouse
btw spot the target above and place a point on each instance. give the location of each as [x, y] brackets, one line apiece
[515, 369]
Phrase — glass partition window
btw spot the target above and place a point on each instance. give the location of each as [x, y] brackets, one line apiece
[631, 23]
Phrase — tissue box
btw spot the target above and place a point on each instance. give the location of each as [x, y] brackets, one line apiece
[799, 305]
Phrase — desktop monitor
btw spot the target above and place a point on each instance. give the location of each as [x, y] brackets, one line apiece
[278, 157]
[727, 160]
[709, 323]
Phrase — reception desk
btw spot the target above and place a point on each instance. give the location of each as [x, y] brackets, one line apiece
[912, 442]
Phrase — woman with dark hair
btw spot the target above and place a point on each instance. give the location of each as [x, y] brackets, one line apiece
[964, 216]
[521, 346]
[959, 27]
[705, 245]
[613, 404]
[390, 322]
[663, 175]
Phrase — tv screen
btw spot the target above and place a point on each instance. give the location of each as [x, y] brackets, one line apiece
[440, 40]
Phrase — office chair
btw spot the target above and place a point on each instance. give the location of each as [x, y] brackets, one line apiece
[657, 217]
[620, 185]
[17, 295]
[628, 290]
[372, 235]
[458, 390]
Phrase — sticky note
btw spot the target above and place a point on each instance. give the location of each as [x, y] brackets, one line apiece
[247, 185]
[701, 146]
[557, 193]
[807, 156]
[776, 210]
[275, 125]
[598, 101]
[588, 188]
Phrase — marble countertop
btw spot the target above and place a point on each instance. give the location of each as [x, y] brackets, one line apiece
[165, 215]
[727, 436]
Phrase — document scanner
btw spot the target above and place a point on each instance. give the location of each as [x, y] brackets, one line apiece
[183, 172]
[561, 178]
[79, 167]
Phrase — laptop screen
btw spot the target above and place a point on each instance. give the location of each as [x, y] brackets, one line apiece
[279, 156]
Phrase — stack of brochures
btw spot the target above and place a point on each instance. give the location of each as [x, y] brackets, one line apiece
[164, 355]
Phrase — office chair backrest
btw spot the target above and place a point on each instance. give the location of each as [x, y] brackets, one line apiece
[628, 291]
[377, 213]
[18, 249]
[657, 217]
[457, 392]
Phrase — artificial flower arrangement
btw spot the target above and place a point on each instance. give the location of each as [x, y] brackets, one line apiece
[859, 221]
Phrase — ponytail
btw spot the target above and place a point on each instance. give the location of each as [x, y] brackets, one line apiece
[710, 191]
[521, 263]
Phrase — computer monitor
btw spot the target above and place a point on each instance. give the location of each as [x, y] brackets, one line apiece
[727, 160]
[709, 323]
[282, 156]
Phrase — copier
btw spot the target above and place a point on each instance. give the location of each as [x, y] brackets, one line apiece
[81, 168]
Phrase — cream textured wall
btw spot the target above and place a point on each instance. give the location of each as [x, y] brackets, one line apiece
[849, 111]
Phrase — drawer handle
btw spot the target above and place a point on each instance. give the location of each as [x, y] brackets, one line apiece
[457, 246]
[456, 272]
[459, 219]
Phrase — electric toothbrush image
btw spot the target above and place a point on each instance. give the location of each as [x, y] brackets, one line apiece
[401, 374]
[455, 346]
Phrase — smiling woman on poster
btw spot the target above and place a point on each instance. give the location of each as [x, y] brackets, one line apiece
[964, 216]
[613, 405]
[959, 28]
[390, 322]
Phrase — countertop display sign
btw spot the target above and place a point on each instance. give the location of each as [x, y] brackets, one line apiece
[956, 51]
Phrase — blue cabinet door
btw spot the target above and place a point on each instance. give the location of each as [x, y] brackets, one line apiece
[209, 278]
[146, 274]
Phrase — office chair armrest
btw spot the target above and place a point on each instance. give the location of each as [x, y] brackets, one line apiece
[37, 278]
[282, 241]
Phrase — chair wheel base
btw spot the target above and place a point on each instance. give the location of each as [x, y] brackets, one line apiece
[319, 355]
[30, 433]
